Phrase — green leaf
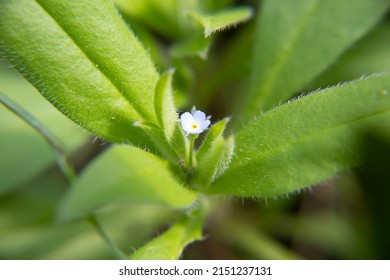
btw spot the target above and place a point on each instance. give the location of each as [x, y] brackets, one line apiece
[170, 244]
[214, 132]
[195, 45]
[213, 155]
[222, 19]
[297, 40]
[163, 17]
[369, 55]
[225, 160]
[207, 167]
[104, 83]
[164, 106]
[305, 141]
[125, 174]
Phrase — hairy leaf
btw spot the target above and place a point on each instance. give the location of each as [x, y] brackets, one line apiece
[123, 174]
[208, 165]
[305, 141]
[170, 244]
[212, 135]
[221, 20]
[84, 60]
[297, 40]
[164, 106]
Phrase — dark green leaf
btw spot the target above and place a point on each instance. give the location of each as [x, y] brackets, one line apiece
[297, 40]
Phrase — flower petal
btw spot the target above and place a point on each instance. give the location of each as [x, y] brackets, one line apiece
[205, 124]
[199, 116]
[186, 121]
[186, 118]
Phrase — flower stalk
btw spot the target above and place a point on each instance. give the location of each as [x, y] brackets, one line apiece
[191, 159]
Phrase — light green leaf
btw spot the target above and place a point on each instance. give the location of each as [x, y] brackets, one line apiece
[297, 40]
[306, 141]
[170, 244]
[125, 174]
[222, 19]
[164, 106]
[225, 160]
[208, 165]
[212, 135]
[213, 155]
[104, 83]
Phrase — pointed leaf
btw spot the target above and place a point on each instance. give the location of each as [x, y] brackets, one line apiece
[305, 141]
[123, 174]
[207, 167]
[84, 60]
[164, 106]
[170, 244]
[214, 163]
[215, 131]
[225, 160]
[222, 19]
[297, 40]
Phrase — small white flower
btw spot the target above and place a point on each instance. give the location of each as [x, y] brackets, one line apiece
[195, 122]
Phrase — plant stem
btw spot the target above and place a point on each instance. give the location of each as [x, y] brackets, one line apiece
[60, 154]
[61, 159]
[99, 228]
[191, 161]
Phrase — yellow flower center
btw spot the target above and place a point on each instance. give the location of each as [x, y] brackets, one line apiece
[194, 126]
